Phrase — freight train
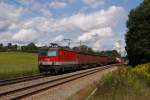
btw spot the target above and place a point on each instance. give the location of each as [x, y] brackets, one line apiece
[57, 60]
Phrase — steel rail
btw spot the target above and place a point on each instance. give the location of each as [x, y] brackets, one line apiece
[26, 91]
[20, 79]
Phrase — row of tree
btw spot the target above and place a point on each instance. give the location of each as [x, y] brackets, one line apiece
[88, 50]
[31, 47]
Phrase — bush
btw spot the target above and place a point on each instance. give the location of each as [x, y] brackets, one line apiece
[125, 84]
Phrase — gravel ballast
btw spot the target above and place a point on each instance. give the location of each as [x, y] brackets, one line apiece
[70, 89]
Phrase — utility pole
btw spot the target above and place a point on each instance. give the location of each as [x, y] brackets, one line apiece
[80, 43]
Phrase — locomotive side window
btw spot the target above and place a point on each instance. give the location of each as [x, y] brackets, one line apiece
[52, 53]
[43, 52]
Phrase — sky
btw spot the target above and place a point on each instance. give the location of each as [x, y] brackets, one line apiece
[100, 24]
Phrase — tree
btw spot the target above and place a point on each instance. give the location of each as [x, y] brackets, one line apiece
[88, 50]
[138, 34]
[2, 48]
[9, 46]
[1, 45]
[31, 47]
[112, 53]
[14, 47]
[84, 49]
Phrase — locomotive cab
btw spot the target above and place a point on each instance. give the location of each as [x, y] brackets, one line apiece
[47, 59]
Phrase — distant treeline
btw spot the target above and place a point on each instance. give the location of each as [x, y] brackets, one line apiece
[88, 50]
[32, 48]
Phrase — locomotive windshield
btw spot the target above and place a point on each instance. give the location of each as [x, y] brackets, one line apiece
[48, 53]
[51, 53]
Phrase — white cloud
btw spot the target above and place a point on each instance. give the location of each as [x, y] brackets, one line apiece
[120, 46]
[46, 12]
[41, 9]
[4, 24]
[5, 37]
[57, 4]
[97, 46]
[14, 26]
[96, 34]
[43, 29]
[117, 45]
[36, 6]
[8, 15]
[58, 38]
[99, 19]
[26, 2]
[26, 35]
[99, 24]
[106, 43]
[102, 39]
[8, 11]
[94, 3]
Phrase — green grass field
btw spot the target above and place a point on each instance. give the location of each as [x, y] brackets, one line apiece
[16, 64]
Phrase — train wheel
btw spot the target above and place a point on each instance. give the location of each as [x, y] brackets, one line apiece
[40, 69]
[62, 70]
[54, 72]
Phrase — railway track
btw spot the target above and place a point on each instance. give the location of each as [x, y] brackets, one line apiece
[20, 79]
[24, 89]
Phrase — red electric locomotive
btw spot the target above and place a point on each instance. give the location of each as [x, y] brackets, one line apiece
[55, 60]
[58, 59]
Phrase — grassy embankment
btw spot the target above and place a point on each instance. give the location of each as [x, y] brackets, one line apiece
[16, 64]
[125, 84]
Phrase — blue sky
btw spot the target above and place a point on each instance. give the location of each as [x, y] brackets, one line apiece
[97, 23]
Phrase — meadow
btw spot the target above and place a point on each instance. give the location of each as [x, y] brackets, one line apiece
[17, 64]
[126, 83]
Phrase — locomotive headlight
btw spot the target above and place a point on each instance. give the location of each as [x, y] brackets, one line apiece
[47, 59]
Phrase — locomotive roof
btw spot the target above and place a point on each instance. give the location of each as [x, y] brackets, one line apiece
[48, 48]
